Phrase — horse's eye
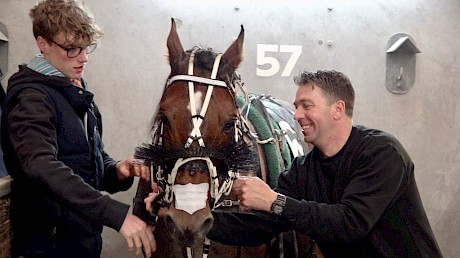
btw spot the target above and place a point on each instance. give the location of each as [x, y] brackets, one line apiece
[229, 126]
[164, 119]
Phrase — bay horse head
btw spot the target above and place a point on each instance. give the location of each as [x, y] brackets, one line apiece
[198, 136]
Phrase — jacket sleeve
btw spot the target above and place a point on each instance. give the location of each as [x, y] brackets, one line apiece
[378, 177]
[245, 228]
[34, 140]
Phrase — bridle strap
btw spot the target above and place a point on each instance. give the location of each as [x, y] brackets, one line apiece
[195, 134]
[192, 78]
[197, 120]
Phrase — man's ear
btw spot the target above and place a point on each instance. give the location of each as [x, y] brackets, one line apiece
[42, 44]
[339, 109]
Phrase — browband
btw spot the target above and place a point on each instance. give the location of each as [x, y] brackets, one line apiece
[183, 77]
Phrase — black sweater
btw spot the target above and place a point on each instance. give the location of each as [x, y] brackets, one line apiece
[362, 202]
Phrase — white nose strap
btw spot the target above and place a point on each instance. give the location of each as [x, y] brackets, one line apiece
[190, 197]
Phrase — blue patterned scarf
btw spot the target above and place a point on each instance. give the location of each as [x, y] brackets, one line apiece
[41, 65]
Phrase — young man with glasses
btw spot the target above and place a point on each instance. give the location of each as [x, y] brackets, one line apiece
[51, 137]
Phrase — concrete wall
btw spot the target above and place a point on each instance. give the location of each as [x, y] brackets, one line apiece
[128, 71]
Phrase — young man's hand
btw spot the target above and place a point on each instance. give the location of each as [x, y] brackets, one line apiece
[133, 167]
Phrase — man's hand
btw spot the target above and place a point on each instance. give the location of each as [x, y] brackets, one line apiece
[151, 198]
[253, 193]
[138, 235]
[133, 167]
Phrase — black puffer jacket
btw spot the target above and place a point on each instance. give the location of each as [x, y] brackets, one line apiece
[59, 168]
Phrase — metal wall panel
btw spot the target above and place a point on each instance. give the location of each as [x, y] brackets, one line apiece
[128, 71]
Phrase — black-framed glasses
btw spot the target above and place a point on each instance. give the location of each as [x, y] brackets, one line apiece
[73, 52]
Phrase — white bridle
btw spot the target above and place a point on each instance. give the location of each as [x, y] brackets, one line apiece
[217, 189]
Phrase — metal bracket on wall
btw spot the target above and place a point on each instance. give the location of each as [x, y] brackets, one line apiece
[3, 49]
[400, 63]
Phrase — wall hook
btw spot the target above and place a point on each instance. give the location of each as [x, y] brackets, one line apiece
[400, 63]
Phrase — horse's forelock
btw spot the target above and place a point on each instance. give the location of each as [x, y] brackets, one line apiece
[204, 59]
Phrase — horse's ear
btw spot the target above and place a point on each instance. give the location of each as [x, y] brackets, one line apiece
[234, 54]
[174, 45]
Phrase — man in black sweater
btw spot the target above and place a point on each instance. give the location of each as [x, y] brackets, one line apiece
[354, 193]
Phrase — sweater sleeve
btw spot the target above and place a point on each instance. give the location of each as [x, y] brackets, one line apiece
[378, 177]
[34, 139]
[245, 228]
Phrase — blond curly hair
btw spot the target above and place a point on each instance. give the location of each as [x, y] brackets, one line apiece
[51, 17]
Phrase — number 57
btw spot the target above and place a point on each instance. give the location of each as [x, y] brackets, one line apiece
[262, 59]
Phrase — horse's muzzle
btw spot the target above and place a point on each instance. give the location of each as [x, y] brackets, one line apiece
[188, 230]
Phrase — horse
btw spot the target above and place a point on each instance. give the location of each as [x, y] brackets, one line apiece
[203, 134]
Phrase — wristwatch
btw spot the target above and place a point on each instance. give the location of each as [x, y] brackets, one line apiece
[278, 205]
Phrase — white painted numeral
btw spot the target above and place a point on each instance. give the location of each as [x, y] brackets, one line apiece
[296, 51]
[263, 59]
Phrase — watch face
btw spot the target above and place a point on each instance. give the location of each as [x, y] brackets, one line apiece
[277, 209]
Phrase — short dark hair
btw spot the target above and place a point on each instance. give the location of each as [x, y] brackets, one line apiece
[335, 85]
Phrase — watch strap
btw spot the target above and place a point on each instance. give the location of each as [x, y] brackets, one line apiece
[278, 205]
